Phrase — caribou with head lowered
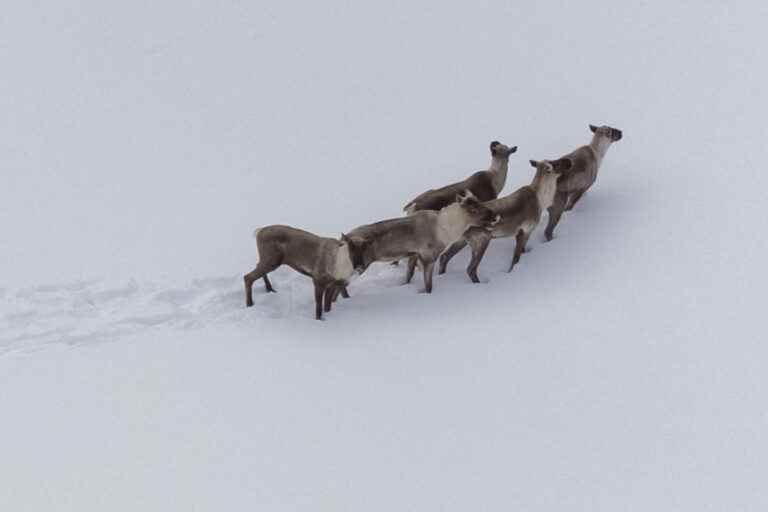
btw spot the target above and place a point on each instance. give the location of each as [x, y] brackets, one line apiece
[424, 235]
[329, 262]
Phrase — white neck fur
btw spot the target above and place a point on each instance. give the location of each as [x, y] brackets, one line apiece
[545, 185]
[498, 170]
[600, 145]
[342, 269]
[452, 222]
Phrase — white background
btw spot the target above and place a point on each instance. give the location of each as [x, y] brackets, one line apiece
[619, 367]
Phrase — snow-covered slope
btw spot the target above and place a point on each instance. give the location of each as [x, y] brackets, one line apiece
[619, 367]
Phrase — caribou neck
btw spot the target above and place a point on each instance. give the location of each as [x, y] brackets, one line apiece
[342, 263]
[545, 185]
[452, 222]
[498, 170]
[600, 146]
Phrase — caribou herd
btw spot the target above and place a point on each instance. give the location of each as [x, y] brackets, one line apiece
[438, 224]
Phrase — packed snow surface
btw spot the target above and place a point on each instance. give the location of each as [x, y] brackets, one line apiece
[619, 367]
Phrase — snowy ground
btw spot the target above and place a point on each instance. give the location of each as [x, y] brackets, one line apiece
[619, 367]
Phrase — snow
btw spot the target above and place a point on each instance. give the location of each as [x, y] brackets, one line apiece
[618, 367]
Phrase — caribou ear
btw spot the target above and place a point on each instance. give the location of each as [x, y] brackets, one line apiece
[460, 198]
[493, 147]
[513, 149]
[593, 128]
[533, 163]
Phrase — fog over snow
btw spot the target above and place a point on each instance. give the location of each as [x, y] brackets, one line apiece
[619, 367]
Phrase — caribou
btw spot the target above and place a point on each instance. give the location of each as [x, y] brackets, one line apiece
[329, 262]
[423, 235]
[582, 175]
[520, 213]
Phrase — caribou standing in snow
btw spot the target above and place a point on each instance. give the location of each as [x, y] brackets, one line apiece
[423, 235]
[329, 262]
[520, 213]
[484, 185]
[582, 174]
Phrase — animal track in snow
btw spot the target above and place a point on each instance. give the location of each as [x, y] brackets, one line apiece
[92, 311]
[98, 310]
